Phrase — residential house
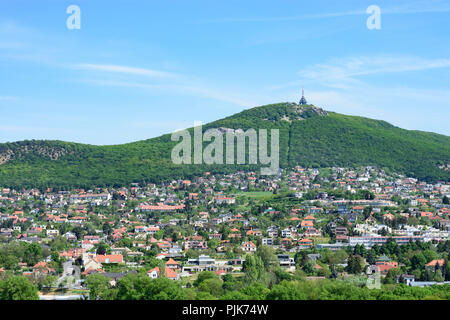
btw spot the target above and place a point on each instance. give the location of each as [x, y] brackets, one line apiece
[248, 247]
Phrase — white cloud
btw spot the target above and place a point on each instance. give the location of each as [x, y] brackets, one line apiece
[172, 82]
[187, 86]
[289, 18]
[341, 85]
[12, 45]
[344, 73]
[125, 70]
[423, 6]
[7, 98]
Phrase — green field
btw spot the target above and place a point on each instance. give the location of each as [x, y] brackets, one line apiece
[254, 194]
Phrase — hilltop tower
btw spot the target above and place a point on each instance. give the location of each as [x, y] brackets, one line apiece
[303, 99]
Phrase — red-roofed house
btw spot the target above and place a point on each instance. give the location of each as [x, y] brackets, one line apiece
[153, 273]
[43, 268]
[358, 209]
[172, 274]
[109, 258]
[248, 246]
[432, 264]
[385, 266]
[305, 243]
[172, 264]
[426, 214]
[307, 223]
[88, 271]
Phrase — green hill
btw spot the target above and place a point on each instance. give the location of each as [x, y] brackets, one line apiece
[309, 136]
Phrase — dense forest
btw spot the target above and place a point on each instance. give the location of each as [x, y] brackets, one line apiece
[309, 136]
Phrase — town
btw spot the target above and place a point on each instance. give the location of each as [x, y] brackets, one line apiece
[215, 231]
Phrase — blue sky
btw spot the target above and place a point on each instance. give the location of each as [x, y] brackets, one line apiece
[138, 69]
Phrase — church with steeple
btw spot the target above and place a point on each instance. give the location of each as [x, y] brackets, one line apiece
[303, 99]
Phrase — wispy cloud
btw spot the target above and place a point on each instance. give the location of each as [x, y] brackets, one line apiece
[189, 87]
[288, 18]
[7, 98]
[12, 27]
[344, 73]
[415, 7]
[421, 6]
[343, 85]
[12, 45]
[125, 70]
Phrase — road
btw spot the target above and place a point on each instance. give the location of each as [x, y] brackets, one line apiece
[72, 273]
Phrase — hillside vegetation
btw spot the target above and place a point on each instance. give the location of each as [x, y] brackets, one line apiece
[309, 136]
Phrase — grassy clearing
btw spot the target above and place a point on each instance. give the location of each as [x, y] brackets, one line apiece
[255, 194]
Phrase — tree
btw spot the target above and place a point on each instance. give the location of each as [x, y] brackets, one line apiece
[204, 275]
[213, 243]
[132, 288]
[446, 200]
[234, 295]
[158, 234]
[446, 270]
[301, 258]
[418, 260]
[334, 274]
[268, 257]
[371, 259]
[125, 242]
[107, 229]
[430, 255]
[336, 257]
[141, 287]
[324, 271]
[438, 276]
[98, 286]
[18, 288]
[102, 248]
[229, 282]
[355, 264]
[212, 286]
[392, 275]
[163, 289]
[204, 296]
[64, 285]
[286, 290]
[78, 231]
[33, 253]
[256, 291]
[254, 269]
[310, 267]
[9, 261]
[49, 282]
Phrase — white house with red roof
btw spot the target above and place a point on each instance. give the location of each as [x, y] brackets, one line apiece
[248, 247]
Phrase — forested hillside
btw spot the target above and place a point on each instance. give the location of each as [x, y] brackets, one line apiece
[309, 136]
